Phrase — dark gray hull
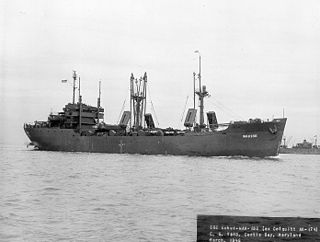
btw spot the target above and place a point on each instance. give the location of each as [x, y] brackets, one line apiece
[254, 140]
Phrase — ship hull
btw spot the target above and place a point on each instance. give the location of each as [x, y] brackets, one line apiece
[254, 140]
[311, 151]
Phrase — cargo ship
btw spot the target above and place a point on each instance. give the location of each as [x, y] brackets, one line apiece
[305, 148]
[79, 128]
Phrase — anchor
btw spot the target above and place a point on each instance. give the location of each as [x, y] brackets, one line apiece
[121, 146]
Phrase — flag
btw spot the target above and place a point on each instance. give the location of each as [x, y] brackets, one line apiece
[64, 81]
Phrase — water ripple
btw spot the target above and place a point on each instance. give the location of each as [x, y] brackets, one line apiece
[58, 196]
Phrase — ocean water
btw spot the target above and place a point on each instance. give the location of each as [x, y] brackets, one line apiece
[58, 196]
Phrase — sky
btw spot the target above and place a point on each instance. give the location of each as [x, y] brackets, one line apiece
[259, 59]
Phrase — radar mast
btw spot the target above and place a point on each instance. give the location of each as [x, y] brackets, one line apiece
[202, 93]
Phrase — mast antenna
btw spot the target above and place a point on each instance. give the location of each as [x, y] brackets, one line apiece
[194, 90]
[74, 76]
[202, 93]
[80, 108]
[98, 102]
[79, 91]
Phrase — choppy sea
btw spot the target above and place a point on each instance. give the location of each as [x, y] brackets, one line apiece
[59, 196]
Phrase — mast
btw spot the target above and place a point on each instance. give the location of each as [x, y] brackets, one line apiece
[131, 100]
[202, 93]
[145, 95]
[80, 108]
[194, 90]
[79, 91]
[98, 101]
[74, 86]
[137, 100]
[199, 72]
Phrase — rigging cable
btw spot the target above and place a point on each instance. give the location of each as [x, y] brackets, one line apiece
[230, 114]
[184, 110]
[226, 109]
[154, 111]
[121, 110]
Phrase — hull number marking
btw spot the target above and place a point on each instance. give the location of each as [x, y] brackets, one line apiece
[249, 136]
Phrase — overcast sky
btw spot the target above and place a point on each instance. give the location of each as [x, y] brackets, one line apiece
[259, 57]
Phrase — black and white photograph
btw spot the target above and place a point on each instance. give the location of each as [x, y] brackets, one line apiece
[192, 120]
